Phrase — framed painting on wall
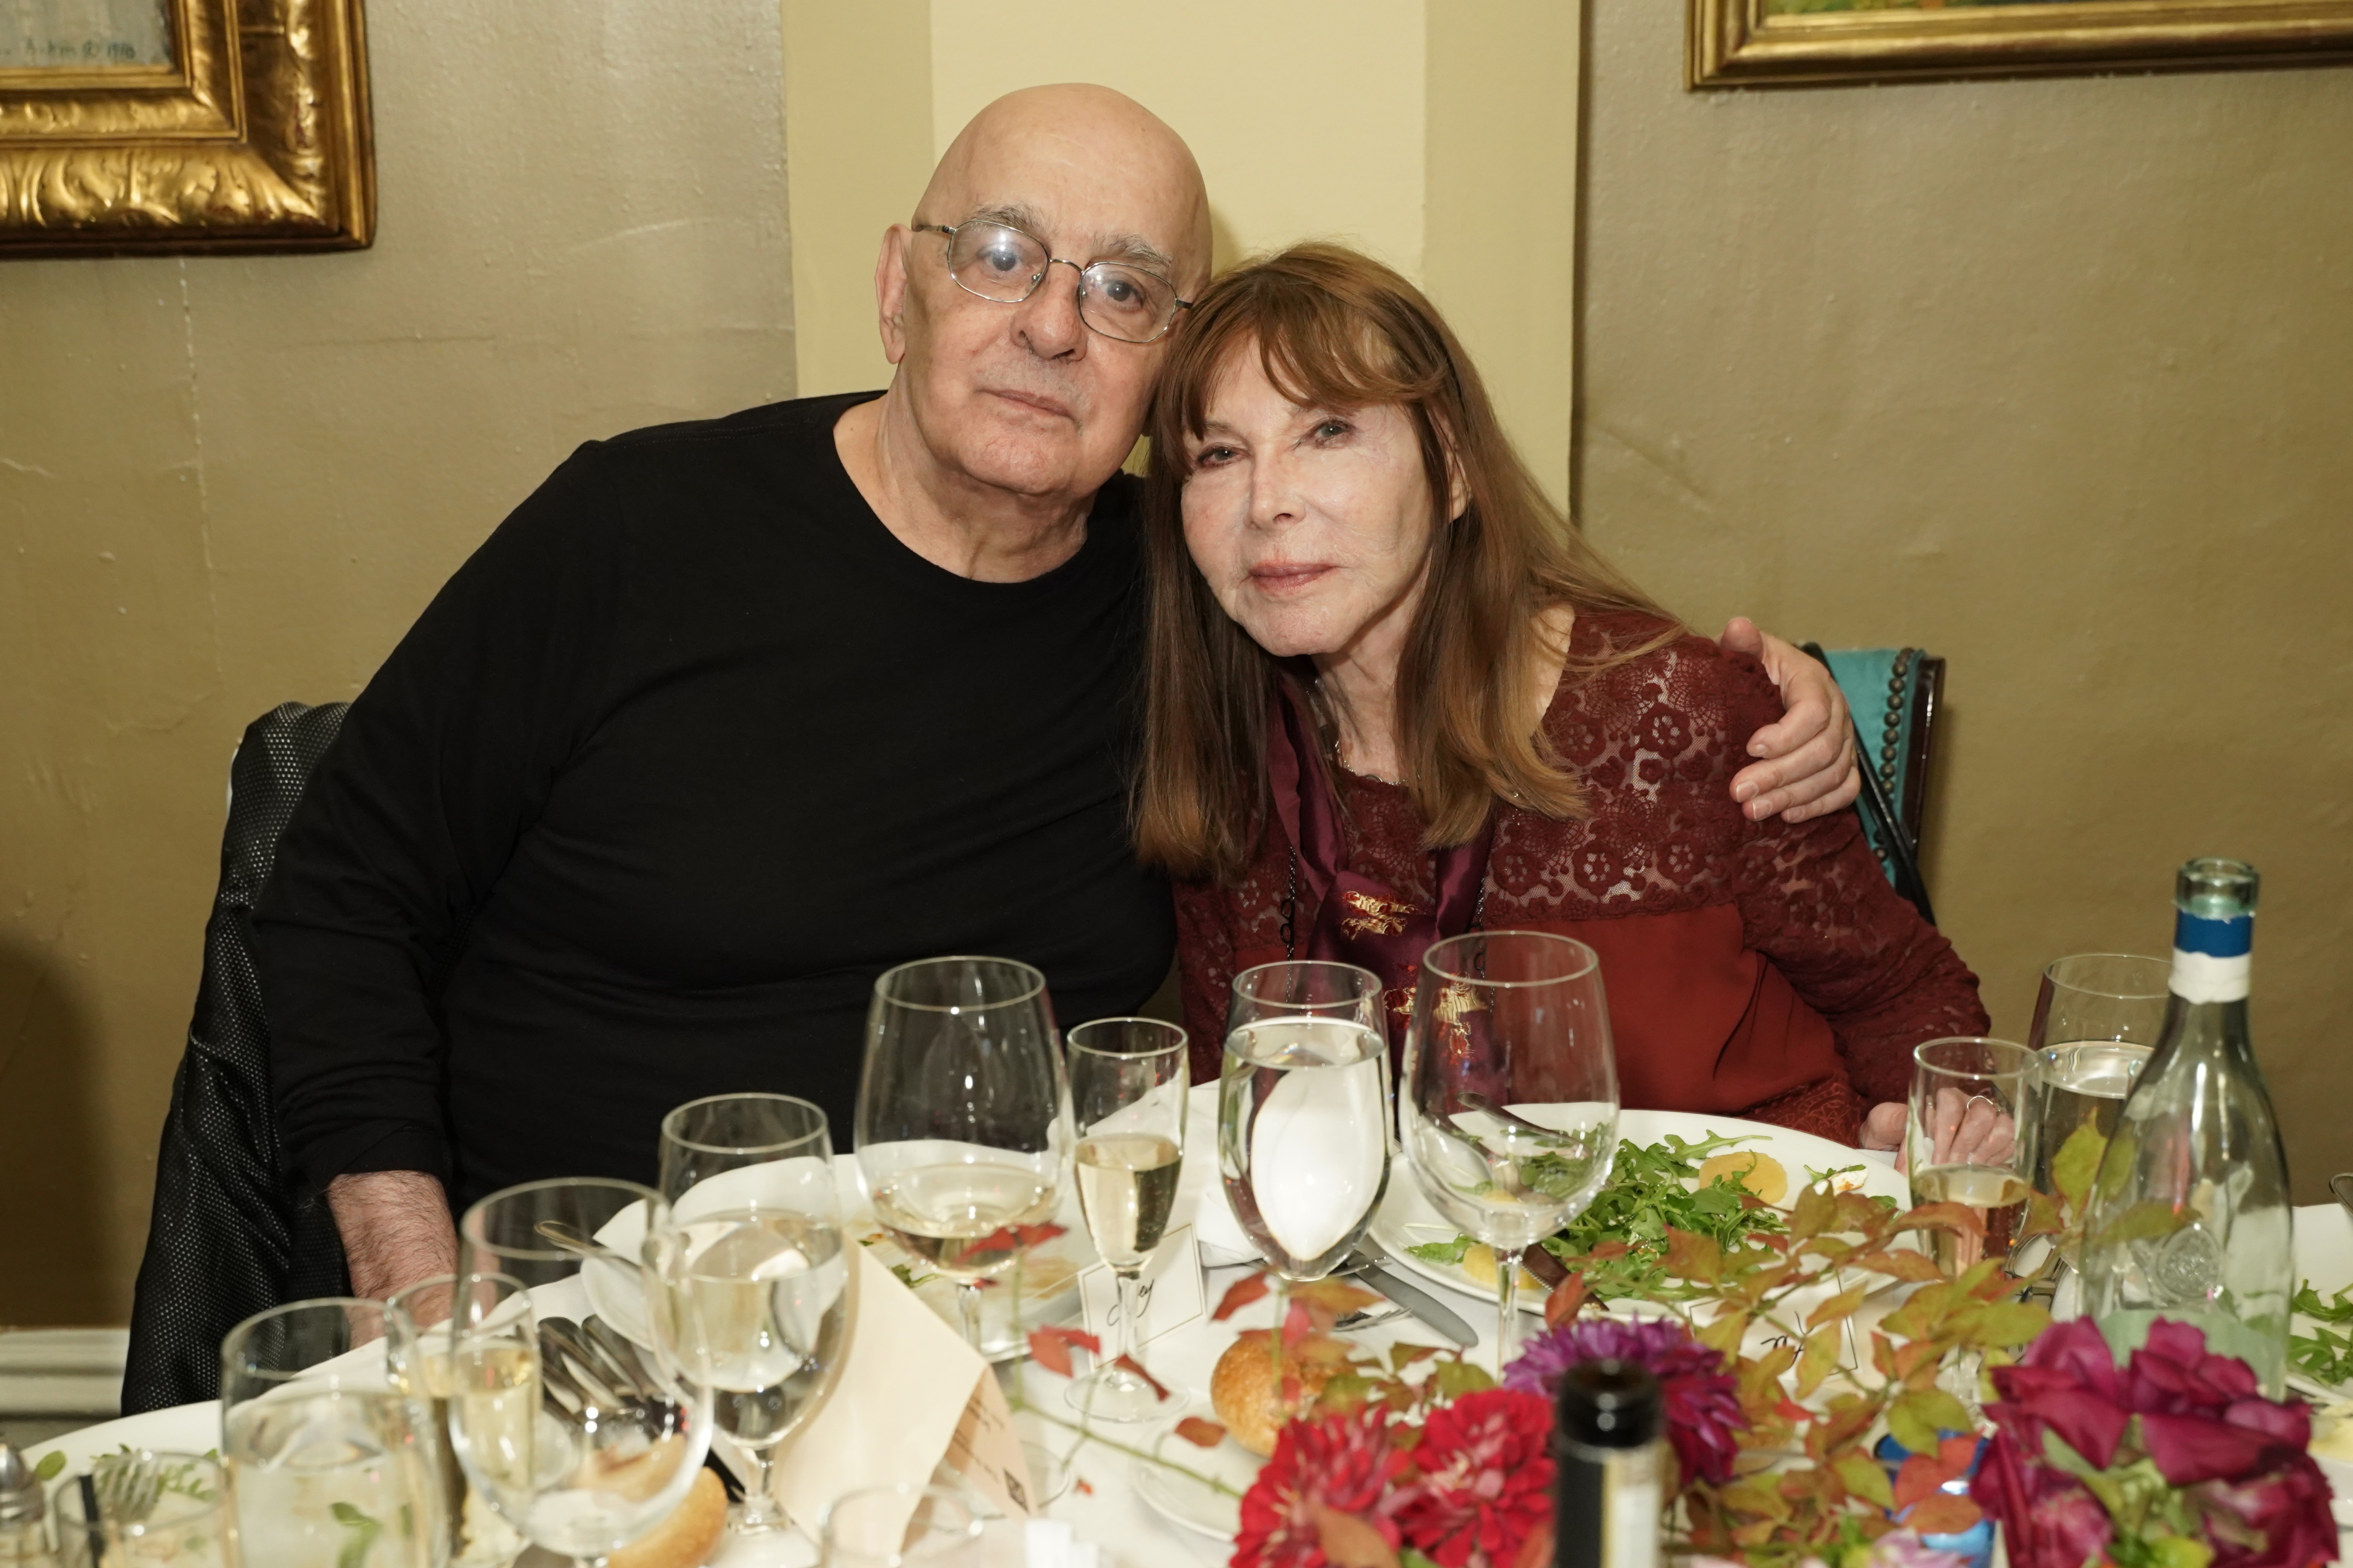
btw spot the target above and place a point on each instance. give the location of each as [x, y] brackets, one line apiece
[1770, 43]
[181, 125]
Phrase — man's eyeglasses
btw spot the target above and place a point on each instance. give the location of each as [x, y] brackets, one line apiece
[999, 262]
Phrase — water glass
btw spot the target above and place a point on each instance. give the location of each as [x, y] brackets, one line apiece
[758, 1294]
[419, 1329]
[144, 1509]
[328, 1462]
[902, 1527]
[1970, 1140]
[1304, 1111]
[1128, 1079]
[963, 1116]
[1509, 1109]
[2096, 1019]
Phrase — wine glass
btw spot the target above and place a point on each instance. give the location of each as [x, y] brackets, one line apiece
[1302, 1111]
[963, 1116]
[1128, 1079]
[2096, 1018]
[548, 1433]
[328, 1461]
[1969, 1140]
[1509, 1111]
[758, 1291]
[420, 1324]
[904, 1526]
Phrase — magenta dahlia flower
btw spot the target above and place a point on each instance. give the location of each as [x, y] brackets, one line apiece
[1702, 1399]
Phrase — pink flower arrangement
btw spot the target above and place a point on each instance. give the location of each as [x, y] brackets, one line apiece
[1484, 1478]
[1702, 1399]
[2173, 1460]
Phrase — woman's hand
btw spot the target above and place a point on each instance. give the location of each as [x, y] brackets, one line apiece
[1805, 761]
[1883, 1126]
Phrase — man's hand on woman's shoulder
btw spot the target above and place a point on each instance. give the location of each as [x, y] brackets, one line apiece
[1805, 765]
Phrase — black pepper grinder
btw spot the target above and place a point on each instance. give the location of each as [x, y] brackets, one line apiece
[1609, 1488]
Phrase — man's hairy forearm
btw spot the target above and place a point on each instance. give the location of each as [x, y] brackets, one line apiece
[395, 1228]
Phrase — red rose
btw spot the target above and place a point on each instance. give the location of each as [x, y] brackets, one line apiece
[1343, 1462]
[2049, 1517]
[1485, 1479]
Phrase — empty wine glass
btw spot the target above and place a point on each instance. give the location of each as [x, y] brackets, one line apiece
[1128, 1079]
[903, 1527]
[327, 1461]
[963, 1116]
[1509, 1113]
[547, 1434]
[757, 1293]
[1302, 1111]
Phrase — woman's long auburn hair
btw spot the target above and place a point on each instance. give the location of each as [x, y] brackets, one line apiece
[1338, 330]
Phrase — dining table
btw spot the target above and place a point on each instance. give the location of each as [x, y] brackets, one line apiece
[1090, 1484]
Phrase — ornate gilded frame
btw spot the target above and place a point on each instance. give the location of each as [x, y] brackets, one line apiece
[256, 137]
[1742, 43]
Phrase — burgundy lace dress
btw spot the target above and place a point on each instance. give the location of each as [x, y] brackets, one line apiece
[1753, 969]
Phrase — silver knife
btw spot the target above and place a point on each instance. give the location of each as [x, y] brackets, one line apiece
[1365, 1265]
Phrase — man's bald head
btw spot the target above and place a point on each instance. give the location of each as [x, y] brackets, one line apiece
[1099, 152]
[1023, 397]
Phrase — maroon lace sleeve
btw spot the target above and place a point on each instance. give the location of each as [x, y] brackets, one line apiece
[1813, 899]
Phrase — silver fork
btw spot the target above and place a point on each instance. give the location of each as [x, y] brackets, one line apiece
[127, 1487]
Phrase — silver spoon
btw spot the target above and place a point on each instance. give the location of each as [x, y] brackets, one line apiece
[582, 1246]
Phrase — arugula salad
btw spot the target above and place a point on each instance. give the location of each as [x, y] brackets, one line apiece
[1646, 1194]
[2321, 1355]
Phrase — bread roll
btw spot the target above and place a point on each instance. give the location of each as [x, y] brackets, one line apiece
[688, 1537]
[1247, 1393]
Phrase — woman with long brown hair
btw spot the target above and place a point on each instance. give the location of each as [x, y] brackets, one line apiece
[1392, 694]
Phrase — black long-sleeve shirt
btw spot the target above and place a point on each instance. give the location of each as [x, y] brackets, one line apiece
[690, 752]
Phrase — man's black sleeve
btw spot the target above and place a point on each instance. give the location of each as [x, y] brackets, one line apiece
[443, 761]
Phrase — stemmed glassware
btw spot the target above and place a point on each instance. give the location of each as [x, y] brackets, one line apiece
[543, 1424]
[2096, 1018]
[1970, 1140]
[963, 1116]
[1128, 1079]
[420, 1327]
[757, 1290]
[328, 1461]
[1302, 1111]
[1509, 1109]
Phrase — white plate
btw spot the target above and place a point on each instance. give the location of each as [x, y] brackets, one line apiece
[176, 1429]
[1184, 1501]
[1407, 1218]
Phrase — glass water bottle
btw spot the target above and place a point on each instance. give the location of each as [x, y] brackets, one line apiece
[2189, 1217]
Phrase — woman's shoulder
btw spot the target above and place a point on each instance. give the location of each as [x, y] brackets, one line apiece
[1681, 706]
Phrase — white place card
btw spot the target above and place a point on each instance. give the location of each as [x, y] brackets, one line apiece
[1170, 1292]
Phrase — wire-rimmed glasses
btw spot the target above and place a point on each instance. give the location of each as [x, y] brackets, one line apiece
[997, 261]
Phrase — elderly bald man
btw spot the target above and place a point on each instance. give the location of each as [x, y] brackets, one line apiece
[729, 717]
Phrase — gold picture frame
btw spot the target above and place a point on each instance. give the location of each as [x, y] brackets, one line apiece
[251, 134]
[1793, 43]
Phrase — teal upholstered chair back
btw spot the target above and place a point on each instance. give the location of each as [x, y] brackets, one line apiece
[1893, 693]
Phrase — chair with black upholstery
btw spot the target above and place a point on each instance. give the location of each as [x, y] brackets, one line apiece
[1894, 694]
[230, 1235]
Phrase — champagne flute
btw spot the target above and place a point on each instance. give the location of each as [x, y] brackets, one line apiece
[576, 1465]
[419, 1329]
[963, 1116]
[1970, 1140]
[1128, 1079]
[2096, 1018]
[328, 1461]
[1509, 1111]
[758, 1291]
[1302, 1111]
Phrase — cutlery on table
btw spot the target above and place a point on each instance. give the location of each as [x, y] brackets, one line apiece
[1367, 1264]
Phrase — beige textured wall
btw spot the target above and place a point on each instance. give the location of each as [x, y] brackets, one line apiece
[226, 483]
[2054, 378]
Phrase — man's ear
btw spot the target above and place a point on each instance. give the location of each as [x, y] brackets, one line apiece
[890, 290]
